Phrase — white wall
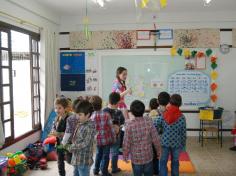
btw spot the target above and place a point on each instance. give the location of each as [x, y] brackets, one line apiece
[226, 80]
[29, 10]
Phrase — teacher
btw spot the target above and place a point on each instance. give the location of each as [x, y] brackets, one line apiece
[119, 86]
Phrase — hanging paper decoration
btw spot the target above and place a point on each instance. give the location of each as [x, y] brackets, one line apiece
[214, 75]
[214, 65]
[200, 54]
[163, 3]
[180, 51]
[214, 86]
[144, 3]
[213, 59]
[214, 98]
[193, 53]
[187, 53]
[208, 52]
[87, 32]
[173, 51]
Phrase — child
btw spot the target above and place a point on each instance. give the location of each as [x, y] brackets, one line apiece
[105, 136]
[173, 139]
[140, 134]
[153, 105]
[58, 130]
[119, 86]
[163, 100]
[83, 139]
[71, 124]
[118, 120]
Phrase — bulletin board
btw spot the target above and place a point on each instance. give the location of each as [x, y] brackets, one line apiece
[148, 75]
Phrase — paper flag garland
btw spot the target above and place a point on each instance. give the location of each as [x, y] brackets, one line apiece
[163, 3]
[173, 52]
[193, 53]
[180, 51]
[187, 53]
[200, 54]
[214, 98]
[213, 59]
[214, 75]
[214, 86]
[214, 65]
[208, 52]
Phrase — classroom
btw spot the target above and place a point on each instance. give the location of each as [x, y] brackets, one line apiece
[117, 87]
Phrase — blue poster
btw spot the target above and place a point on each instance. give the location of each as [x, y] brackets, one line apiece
[72, 82]
[72, 62]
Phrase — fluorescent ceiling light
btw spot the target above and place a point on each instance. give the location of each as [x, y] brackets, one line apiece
[101, 2]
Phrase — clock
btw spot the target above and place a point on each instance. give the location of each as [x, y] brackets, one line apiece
[224, 49]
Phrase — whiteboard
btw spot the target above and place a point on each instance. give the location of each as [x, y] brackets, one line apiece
[148, 75]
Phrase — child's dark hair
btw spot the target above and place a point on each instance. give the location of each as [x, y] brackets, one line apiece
[163, 98]
[137, 108]
[75, 102]
[62, 101]
[153, 104]
[119, 70]
[116, 122]
[114, 98]
[84, 107]
[96, 101]
[176, 100]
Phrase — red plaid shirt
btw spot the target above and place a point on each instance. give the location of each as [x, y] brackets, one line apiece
[105, 131]
[140, 134]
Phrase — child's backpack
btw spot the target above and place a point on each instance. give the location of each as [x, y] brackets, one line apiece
[34, 153]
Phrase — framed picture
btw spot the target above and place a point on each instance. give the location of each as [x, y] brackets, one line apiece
[200, 63]
[165, 34]
[143, 35]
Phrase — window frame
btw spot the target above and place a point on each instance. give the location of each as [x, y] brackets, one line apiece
[5, 27]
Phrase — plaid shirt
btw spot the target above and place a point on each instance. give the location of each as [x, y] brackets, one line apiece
[140, 134]
[82, 144]
[105, 132]
[71, 123]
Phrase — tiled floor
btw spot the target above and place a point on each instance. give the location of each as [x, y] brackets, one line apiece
[211, 160]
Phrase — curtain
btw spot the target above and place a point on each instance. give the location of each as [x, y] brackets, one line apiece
[2, 137]
[49, 72]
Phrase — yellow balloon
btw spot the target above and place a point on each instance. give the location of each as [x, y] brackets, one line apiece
[187, 53]
[173, 51]
[17, 160]
[214, 75]
[163, 3]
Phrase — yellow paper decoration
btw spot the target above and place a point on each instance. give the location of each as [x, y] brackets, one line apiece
[163, 3]
[214, 75]
[144, 3]
[173, 51]
[187, 53]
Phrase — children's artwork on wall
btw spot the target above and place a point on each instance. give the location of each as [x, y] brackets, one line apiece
[91, 73]
[193, 86]
[72, 65]
[104, 40]
[200, 63]
[234, 38]
[197, 38]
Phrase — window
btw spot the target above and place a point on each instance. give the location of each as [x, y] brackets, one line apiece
[19, 81]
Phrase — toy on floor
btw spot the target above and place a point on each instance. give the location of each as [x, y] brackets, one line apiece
[36, 157]
[50, 140]
[233, 132]
[17, 164]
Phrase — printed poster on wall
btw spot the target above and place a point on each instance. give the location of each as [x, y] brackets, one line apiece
[193, 86]
[72, 66]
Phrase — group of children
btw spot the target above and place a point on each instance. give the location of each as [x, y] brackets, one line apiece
[148, 138]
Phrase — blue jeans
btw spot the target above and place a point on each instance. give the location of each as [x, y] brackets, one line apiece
[81, 170]
[115, 154]
[143, 169]
[102, 159]
[174, 152]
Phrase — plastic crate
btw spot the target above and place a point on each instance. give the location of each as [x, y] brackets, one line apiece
[218, 113]
[206, 113]
[3, 165]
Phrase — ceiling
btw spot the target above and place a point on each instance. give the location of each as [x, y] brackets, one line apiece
[77, 7]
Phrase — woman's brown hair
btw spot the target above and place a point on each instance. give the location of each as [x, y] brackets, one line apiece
[118, 72]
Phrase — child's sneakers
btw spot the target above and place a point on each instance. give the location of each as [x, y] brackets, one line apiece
[116, 171]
